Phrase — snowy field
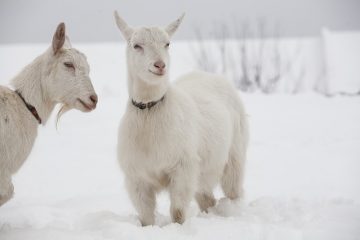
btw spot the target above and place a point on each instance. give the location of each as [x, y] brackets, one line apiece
[302, 177]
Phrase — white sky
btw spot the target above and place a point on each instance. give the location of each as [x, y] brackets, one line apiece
[89, 21]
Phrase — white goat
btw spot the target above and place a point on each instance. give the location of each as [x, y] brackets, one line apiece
[185, 137]
[60, 75]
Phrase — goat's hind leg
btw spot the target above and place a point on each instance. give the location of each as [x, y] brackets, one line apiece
[233, 175]
[232, 180]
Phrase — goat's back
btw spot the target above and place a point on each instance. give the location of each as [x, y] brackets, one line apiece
[208, 87]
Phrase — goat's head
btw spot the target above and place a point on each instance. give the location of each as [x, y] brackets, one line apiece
[69, 82]
[147, 49]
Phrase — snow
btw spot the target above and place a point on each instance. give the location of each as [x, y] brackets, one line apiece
[302, 176]
[342, 57]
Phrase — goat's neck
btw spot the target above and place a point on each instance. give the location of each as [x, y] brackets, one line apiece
[29, 82]
[141, 91]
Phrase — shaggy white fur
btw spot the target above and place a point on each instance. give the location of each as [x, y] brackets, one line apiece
[60, 75]
[192, 139]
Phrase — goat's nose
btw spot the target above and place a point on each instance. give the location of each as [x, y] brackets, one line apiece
[159, 64]
[94, 98]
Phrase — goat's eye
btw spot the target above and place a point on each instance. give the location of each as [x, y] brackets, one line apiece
[137, 47]
[69, 65]
[167, 45]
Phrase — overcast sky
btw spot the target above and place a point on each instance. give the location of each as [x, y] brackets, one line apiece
[92, 21]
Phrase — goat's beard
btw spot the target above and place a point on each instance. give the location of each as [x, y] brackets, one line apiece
[63, 109]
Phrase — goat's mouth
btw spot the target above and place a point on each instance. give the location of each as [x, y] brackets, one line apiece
[162, 73]
[86, 106]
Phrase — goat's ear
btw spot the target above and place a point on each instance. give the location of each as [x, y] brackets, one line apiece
[67, 43]
[172, 27]
[124, 28]
[59, 38]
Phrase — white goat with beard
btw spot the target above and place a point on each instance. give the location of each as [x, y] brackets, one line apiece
[59, 75]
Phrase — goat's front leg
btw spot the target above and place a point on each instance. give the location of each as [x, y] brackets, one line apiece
[182, 186]
[142, 196]
[6, 188]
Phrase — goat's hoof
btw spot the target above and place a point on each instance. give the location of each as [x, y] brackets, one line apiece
[147, 222]
[205, 202]
[178, 216]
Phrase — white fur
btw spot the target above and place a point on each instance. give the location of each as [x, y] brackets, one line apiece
[43, 83]
[189, 142]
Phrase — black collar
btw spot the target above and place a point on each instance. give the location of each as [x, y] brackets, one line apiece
[30, 107]
[147, 105]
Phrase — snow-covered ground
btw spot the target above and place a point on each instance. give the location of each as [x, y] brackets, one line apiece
[302, 178]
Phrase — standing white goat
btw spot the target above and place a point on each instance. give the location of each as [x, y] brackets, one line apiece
[185, 137]
[60, 75]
